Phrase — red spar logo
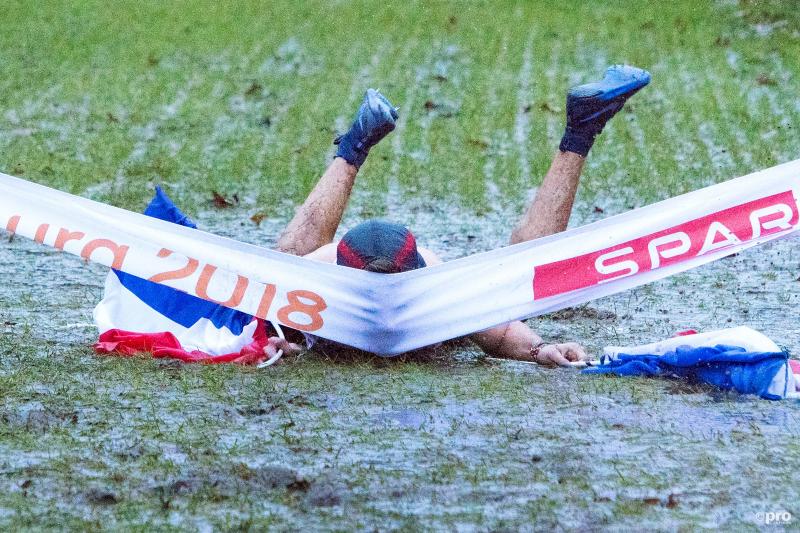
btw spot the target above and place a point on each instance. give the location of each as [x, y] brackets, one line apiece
[697, 237]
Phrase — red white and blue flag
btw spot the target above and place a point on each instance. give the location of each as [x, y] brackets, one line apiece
[137, 315]
[740, 359]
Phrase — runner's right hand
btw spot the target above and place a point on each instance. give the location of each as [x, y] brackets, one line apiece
[561, 354]
[276, 343]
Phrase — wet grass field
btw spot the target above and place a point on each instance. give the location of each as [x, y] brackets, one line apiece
[243, 100]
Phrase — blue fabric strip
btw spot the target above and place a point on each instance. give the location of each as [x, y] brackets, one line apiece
[726, 367]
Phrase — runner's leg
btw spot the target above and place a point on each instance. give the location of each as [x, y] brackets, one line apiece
[549, 212]
[315, 222]
[589, 108]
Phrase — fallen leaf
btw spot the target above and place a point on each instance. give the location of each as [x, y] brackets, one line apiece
[598, 209]
[764, 79]
[102, 497]
[220, 202]
[258, 218]
[301, 485]
[651, 501]
[672, 501]
[546, 106]
[429, 105]
[255, 88]
[480, 143]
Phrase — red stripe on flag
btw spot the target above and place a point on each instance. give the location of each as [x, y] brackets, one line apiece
[166, 345]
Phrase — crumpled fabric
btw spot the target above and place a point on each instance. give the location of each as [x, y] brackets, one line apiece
[166, 345]
[726, 367]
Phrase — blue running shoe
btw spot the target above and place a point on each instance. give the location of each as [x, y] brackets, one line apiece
[591, 106]
[375, 120]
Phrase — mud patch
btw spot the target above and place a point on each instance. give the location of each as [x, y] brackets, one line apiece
[102, 497]
[326, 493]
[589, 312]
[240, 479]
[38, 420]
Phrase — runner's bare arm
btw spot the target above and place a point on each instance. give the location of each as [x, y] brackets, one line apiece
[516, 340]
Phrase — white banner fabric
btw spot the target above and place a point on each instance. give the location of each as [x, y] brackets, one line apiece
[391, 314]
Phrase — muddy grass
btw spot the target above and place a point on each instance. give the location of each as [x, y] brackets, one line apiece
[243, 101]
[446, 439]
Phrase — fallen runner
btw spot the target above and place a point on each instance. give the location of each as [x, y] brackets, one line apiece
[397, 313]
[197, 330]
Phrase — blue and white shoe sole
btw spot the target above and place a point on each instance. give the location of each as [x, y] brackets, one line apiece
[608, 90]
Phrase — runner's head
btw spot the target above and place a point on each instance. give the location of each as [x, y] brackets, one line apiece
[379, 246]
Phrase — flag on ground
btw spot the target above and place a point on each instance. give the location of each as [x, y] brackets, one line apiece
[739, 359]
[137, 315]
